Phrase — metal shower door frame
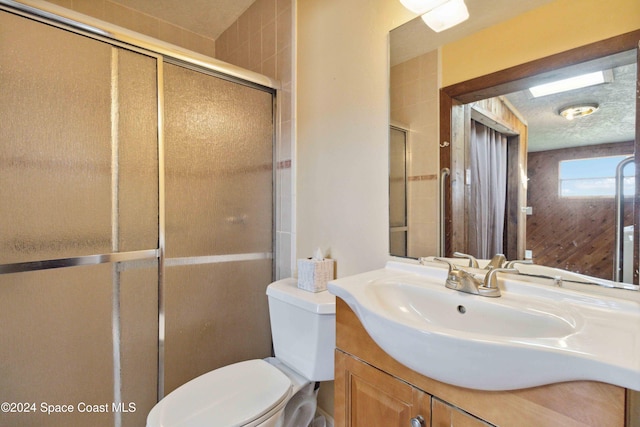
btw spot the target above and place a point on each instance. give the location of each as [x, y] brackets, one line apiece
[163, 53]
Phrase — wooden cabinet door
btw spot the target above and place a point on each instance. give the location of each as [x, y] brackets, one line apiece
[368, 397]
[445, 415]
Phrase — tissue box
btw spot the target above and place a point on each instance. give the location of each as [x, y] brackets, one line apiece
[313, 275]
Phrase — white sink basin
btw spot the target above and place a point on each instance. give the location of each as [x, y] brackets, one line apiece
[532, 335]
[440, 309]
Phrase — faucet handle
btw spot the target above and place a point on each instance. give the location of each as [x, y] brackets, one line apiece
[497, 261]
[490, 287]
[452, 266]
[473, 262]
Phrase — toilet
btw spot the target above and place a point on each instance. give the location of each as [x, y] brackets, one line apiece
[278, 391]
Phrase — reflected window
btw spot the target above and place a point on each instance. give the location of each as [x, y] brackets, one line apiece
[594, 177]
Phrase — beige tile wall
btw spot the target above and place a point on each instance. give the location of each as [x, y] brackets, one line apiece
[261, 40]
[142, 23]
[414, 104]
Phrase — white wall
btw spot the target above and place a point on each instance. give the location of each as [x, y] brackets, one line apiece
[342, 129]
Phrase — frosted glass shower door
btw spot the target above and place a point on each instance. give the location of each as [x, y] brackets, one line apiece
[79, 190]
[219, 222]
[398, 223]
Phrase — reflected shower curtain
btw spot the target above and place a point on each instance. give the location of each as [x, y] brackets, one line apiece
[488, 165]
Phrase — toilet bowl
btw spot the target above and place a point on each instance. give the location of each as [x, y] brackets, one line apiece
[278, 391]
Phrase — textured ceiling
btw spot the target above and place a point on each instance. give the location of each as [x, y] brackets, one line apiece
[205, 17]
[613, 122]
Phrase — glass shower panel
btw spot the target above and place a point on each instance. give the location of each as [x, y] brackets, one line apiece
[79, 145]
[138, 320]
[55, 144]
[79, 171]
[219, 222]
[398, 227]
[135, 152]
[219, 173]
[56, 343]
[217, 314]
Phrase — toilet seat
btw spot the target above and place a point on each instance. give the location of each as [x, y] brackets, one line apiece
[242, 394]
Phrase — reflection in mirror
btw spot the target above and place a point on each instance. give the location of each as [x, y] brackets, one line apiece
[494, 138]
[563, 210]
[414, 104]
[539, 210]
[398, 191]
[571, 223]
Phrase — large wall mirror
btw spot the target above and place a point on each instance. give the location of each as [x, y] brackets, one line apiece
[514, 175]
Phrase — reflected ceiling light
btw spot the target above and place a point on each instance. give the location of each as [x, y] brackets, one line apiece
[422, 6]
[568, 84]
[575, 111]
[446, 15]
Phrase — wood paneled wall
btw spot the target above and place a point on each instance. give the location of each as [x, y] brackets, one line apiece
[573, 234]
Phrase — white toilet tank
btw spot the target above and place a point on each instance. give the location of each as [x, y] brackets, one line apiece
[303, 328]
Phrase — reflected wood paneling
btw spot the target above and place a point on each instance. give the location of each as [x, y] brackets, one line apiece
[572, 234]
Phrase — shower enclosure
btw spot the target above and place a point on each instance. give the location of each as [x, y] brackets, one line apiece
[398, 216]
[136, 222]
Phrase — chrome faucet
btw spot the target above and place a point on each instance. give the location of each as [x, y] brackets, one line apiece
[473, 262]
[497, 261]
[463, 281]
[490, 286]
[511, 263]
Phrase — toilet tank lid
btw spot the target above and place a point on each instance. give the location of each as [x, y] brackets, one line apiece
[316, 302]
[229, 396]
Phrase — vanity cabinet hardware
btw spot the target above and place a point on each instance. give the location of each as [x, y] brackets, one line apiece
[417, 421]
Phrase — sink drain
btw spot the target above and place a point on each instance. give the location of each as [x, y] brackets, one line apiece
[462, 309]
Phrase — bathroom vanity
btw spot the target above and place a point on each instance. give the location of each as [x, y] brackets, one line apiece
[372, 388]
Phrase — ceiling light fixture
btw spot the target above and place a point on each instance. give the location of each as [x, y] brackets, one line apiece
[564, 85]
[422, 6]
[582, 110]
[446, 15]
[439, 15]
